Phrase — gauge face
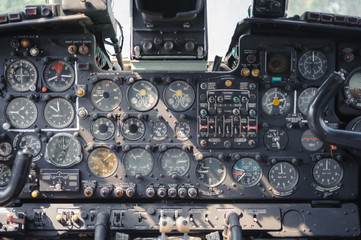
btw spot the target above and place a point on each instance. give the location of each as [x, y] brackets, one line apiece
[275, 139]
[283, 176]
[102, 128]
[174, 161]
[106, 95]
[353, 88]
[59, 113]
[133, 129]
[138, 161]
[276, 102]
[31, 141]
[102, 162]
[327, 172]
[21, 75]
[179, 96]
[5, 149]
[159, 131]
[142, 96]
[182, 130]
[5, 175]
[247, 172]
[210, 171]
[63, 150]
[312, 65]
[310, 142]
[21, 112]
[59, 76]
[305, 98]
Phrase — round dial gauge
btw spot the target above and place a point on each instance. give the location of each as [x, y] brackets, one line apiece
[327, 172]
[59, 113]
[102, 162]
[182, 130]
[174, 161]
[31, 141]
[142, 96]
[247, 172]
[63, 150]
[210, 171]
[283, 176]
[275, 139]
[133, 129]
[59, 76]
[21, 112]
[353, 88]
[21, 75]
[179, 96]
[138, 161]
[310, 142]
[305, 98]
[106, 95]
[276, 102]
[159, 131]
[5, 175]
[102, 128]
[5, 149]
[313, 65]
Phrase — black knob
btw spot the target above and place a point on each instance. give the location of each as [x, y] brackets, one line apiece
[168, 46]
[147, 46]
[189, 46]
[157, 41]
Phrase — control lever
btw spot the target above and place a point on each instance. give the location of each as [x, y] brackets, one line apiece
[315, 115]
[19, 177]
[101, 226]
[235, 229]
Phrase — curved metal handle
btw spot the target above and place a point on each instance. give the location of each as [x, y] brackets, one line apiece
[19, 177]
[315, 115]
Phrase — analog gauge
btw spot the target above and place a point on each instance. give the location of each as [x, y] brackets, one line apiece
[210, 171]
[179, 96]
[247, 172]
[159, 131]
[5, 175]
[133, 129]
[276, 102]
[275, 139]
[59, 113]
[32, 142]
[106, 95]
[59, 76]
[5, 149]
[63, 150]
[102, 162]
[102, 128]
[353, 88]
[182, 130]
[142, 96]
[310, 142]
[305, 98]
[283, 176]
[21, 112]
[174, 161]
[327, 172]
[21, 75]
[138, 161]
[312, 65]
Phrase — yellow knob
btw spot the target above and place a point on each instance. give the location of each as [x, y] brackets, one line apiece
[179, 93]
[276, 102]
[143, 92]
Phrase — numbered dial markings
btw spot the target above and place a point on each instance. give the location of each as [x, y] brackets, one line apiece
[59, 76]
[102, 162]
[133, 129]
[179, 96]
[106, 95]
[353, 88]
[247, 172]
[182, 130]
[32, 142]
[21, 112]
[210, 171]
[142, 96]
[21, 75]
[103, 128]
[159, 131]
[305, 98]
[59, 113]
[276, 102]
[327, 172]
[313, 65]
[283, 176]
[138, 161]
[275, 139]
[175, 161]
[310, 142]
[5, 149]
[5, 175]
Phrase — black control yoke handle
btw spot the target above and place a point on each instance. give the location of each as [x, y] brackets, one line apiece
[19, 177]
[315, 115]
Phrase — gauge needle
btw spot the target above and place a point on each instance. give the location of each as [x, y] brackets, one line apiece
[99, 99]
[53, 78]
[57, 104]
[107, 157]
[241, 176]
[281, 169]
[54, 109]
[65, 75]
[327, 164]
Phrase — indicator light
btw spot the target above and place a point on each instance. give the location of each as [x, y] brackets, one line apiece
[72, 49]
[14, 17]
[59, 218]
[44, 89]
[3, 19]
[255, 72]
[31, 11]
[83, 49]
[25, 43]
[245, 72]
[35, 194]
[75, 218]
[228, 83]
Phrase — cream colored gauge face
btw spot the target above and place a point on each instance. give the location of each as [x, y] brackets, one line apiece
[102, 162]
[142, 96]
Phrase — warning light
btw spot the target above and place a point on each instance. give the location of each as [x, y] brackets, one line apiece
[25, 43]
[255, 72]
[245, 72]
[44, 89]
[31, 11]
[228, 83]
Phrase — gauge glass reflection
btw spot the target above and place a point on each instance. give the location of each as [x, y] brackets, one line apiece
[138, 161]
[59, 113]
[283, 176]
[102, 128]
[327, 172]
[106, 95]
[313, 65]
[102, 162]
[179, 96]
[305, 98]
[247, 172]
[174, 161]
[210, 171]
[133, 129]
[310, 142]
[142, 95]
[353, 88]
[59, 76]
[276, 102]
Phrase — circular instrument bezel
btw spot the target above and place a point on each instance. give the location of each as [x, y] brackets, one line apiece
[219, 180]
[8, 149]
[293, 183]
[241, 161]
[336, 182]
[149, 170]
[108, 136]
[33, 110]
[301, 103]
[276, 132]
[316, 75]
[187, 135]
[145, 93]
[70, 115]
[164, 136]
[31, 83]
[51, 86]
[308, 136]
[167, 89]
[7, 168]
[356, 103]
[286, 97]
[125, 123]
[166, 172]
[96, 150]
[116, 94]
[36, 138]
